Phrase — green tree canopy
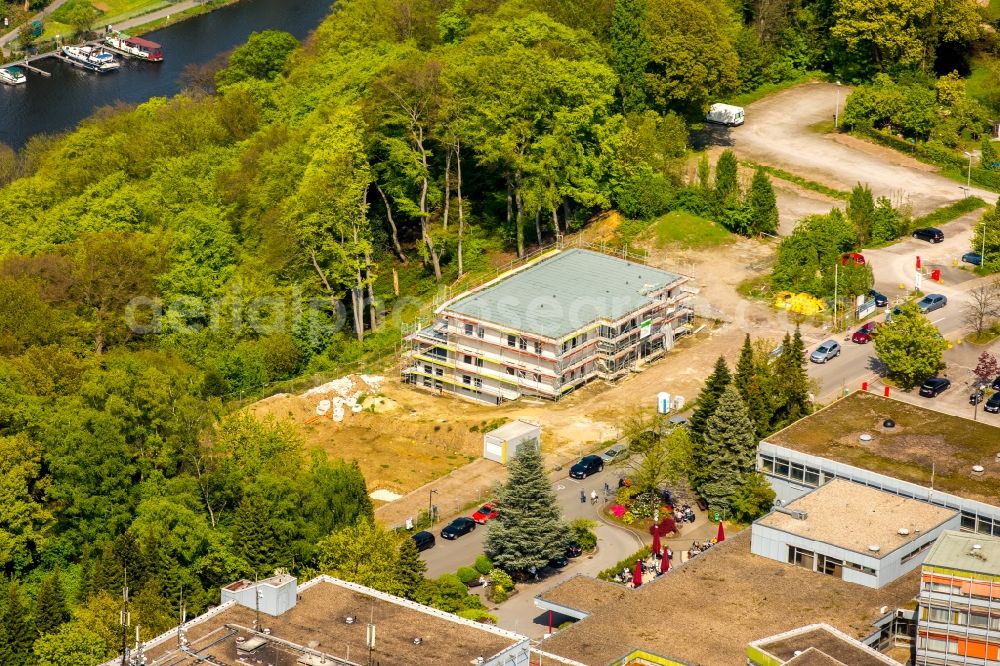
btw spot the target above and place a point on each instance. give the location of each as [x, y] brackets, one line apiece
[264, 56]
[910, 347]
[730, 450]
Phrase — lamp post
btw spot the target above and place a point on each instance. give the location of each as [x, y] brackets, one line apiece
[836, 108]
[430, 505]
[982, 252]
[968, 176]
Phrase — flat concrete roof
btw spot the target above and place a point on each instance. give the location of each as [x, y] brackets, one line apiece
[820, 644]
[848, 515]
[923, 443]
[317, 623]
[955, 550]
[708, 610]
[563, 293]
[513, 429]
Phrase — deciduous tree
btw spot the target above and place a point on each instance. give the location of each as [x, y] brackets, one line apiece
[909, 346]
[364, 553]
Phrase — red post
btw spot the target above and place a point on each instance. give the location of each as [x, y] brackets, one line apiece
[864, 386]
[918, 262]
[550, 622]
[887, 391]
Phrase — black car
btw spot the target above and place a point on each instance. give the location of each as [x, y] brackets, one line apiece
[558, 562]
[996, 384]
[458, 527]
[976, 397]
[881, 300]
[934, 386]
[574, 549]
[929, 234]
[973, 258]
[588, 465]
[993, 404]
[424, 540]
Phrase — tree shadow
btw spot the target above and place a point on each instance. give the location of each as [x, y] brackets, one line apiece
[712, 135]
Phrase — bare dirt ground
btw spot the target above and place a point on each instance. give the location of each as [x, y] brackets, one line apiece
[778, 132]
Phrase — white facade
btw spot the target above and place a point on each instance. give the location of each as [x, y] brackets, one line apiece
[274, 595]
[502, 443]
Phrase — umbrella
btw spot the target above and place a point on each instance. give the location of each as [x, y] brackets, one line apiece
[721, 536]
[664, 563]
[637, 576]
[668, 526]
[655, 529]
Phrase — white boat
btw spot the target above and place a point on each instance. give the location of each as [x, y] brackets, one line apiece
[12, 75]
[94, 58]
[136, 47]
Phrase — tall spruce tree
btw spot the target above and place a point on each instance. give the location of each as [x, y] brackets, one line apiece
[727, 186]
[763, 204]
[751, 380]
[85, 579]
[50, 605]
[630, 52]
[410, 569]
[861, 212]
[705, 406]
[530, 530]
[790, 382]
[730, 450]
[16, 630]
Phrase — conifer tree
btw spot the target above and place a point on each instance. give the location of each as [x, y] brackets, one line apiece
[704, 172]
[50, 605]
[17, 633]
[253, 539]
[861, 212]
[85, 579]
[726, 184]
[410, 569]
[763, 204]
[988, 157]
[708, 399]
[790, 396]
[730, 450]
[630, 52]
[751, 380]
[529, 530]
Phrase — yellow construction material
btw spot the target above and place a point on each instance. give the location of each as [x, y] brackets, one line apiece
[801, 303]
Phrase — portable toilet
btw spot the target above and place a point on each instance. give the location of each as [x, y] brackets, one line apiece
[500, 444]
[662, 403]
[678, 402]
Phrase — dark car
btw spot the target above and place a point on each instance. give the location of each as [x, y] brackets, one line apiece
[574, 549]
[976, 397]
[993, 404]
[996, 384]
[934, 386]
[932, 302]
[973, 258]
[458, 527]
[929, 234]
[863, 335]
[588, 465]
[424, 540]
[881, 300]
[484, 513]
[558, 562]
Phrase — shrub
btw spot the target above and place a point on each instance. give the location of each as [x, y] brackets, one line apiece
[498, 594]
[501, 577]
[583, 533]
[625, 494]
[644, 505]
[467, 574]
[477, 615]
[484, 565]
[627, 563]
[628, 518]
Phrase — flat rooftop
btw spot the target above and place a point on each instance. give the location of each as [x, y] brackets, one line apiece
[848, 515]
[820, 644]
[724, 598]
[317, 623]
[923, 442]
[955, 550]
[583, 593]
[513, 429]
[563, 293]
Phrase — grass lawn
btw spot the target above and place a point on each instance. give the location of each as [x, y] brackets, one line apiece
[993, 10]
[109, 11]
[688, 230]
[981, 83]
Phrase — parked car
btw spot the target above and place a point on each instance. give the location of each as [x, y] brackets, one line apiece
[616, 452]
[484, 513]
[973, 258]
[881, 300]
[996, 384]
[574, 549]
[863, 335]
[976, 397]
[934, 386]
[993, 404]
[423, 540]
[856, 257]
[932, 302]
[458, 527]
[678, 422]
[558, 562]
[826, 351]
[588, 465]
[929, 234]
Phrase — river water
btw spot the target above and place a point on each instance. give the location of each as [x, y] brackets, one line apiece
[70, 95]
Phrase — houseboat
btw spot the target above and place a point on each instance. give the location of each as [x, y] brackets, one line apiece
[135, 47]
[12, 75]
[90, 57]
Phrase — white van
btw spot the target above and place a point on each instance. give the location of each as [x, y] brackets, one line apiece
[725, 114]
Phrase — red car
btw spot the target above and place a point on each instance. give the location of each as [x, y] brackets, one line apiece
[864, 334]
[856, 257]
[484, 513]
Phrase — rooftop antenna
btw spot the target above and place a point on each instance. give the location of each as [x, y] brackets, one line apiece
[182, 611]
[370, 637]
[124, 619]
[256, 599]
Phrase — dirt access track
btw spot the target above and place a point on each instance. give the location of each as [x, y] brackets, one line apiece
[778, 132]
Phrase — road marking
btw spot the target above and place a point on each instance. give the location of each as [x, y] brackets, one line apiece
[937, 320]
[560, 486]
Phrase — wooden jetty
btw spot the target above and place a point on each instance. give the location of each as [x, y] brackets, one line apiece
[27, 62]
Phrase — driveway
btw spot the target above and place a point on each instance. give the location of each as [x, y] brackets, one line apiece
[777, 132]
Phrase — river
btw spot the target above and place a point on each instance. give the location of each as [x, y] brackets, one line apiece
[58, 103]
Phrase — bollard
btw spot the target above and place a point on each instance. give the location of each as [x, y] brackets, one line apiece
[886, 392]
[864, 386]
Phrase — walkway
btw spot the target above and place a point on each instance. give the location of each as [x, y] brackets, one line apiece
[12, 35]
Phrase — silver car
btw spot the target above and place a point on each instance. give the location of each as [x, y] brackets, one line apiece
[826, 351]
[932, 302]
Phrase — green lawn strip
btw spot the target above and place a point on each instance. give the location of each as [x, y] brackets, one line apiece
[799, 180]
[952, 211]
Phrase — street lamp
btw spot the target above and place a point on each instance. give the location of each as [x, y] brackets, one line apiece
[968, 177]
[836, 108]
[982, 253]
[430, 505]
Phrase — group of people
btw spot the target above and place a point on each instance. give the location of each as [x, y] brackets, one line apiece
[697, 548]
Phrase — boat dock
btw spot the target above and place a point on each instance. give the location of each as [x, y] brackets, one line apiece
[27, 62]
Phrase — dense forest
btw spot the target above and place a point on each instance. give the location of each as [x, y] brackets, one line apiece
[161, 260]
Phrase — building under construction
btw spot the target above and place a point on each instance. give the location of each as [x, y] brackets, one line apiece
[549, 326]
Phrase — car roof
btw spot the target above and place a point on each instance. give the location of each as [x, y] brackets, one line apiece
[935, 380]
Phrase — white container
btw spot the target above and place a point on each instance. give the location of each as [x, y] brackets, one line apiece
[663, 403]
[338, 413]
[323, 407]
[678, 402]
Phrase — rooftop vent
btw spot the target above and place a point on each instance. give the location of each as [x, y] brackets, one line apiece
[978, 470]
[977, 552]
[417, 640]
[903, 531]
[874, 547]
[797, 514]
[349, 619]
[888, 423]
[865, 438]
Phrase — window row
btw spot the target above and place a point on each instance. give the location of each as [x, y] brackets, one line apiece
[791, 470]
[963, 618]
[916, 551]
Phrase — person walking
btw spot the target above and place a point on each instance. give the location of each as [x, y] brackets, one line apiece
[583, 497]
[593, 497]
